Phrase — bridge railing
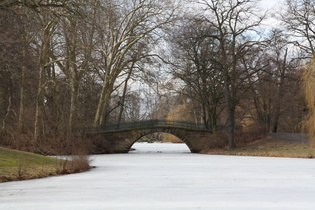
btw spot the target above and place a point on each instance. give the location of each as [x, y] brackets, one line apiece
[149, 124]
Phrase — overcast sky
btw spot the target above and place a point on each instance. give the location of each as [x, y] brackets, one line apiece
[274, 7]
[271, 4]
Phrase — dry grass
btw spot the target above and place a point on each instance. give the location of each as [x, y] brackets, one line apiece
[270, 147]
[17, 165]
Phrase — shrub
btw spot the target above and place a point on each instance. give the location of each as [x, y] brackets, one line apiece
[252, 134]
[219, 140]
[78, 161]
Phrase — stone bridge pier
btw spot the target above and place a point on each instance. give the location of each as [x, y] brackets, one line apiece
[122, 141]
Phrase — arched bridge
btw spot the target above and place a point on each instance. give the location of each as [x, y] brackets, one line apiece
[121, 137]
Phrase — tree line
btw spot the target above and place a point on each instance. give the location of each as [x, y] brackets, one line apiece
[70, 64]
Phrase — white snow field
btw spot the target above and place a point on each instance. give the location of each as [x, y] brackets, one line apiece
[167, 176]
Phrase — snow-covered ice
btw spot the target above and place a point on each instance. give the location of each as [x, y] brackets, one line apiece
[167, 176]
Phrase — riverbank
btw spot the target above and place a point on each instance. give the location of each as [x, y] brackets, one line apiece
[18, 165]
[279, 145]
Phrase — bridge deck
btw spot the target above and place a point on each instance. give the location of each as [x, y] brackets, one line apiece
[149, 124]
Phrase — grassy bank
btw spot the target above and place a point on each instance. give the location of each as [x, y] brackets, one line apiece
[270, 147]
[18, 165]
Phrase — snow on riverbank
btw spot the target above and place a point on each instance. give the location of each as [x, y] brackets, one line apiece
[166, 176]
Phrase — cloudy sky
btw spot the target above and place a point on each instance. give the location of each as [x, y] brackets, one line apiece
[271, 4]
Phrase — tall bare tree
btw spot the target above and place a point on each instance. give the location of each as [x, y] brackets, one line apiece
[194, 52]
[73, 51]
[48, 22]
[125, 25]
[299, 19]
[232, 21]
[48, 14]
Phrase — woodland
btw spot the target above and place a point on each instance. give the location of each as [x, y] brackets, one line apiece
[71, 64]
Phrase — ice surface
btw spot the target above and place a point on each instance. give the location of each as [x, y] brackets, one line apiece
[167, 176]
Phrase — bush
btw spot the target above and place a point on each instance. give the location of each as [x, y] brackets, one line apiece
[79, 161]
[219, 140]
[97, 144]
[252, 134]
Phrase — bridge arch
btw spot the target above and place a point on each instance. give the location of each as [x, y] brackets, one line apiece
[171, 131]
[119, 138]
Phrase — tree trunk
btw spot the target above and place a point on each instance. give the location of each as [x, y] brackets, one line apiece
[107, 98]
[22, 95]
[230, 109]
[282, 70]
[231, 126]
[73, 107]
[213, 119]
[39, 103]
[73, 76]
[43, 60]
[103, 103]
[122, 104]
[99, 108]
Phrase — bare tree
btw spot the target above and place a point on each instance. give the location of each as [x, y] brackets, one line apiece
[299, 19]
[48, 24]
[48, 14]
[276, 83]
[73, 51]
[125, 25]
[10, 65]
[194, 52]
[278, 44]
[37, 5]
[232, 21]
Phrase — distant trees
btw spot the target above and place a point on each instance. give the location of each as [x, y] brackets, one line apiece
[195, 51]
[11, 44]
[67, 64]
[299, 20]
[232, 22]
[17, 64]
[126, 25]
[35, 5]
[224, 63]
[77, 58]
[276, 83]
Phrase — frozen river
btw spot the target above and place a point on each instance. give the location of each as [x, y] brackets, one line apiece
[167, 176]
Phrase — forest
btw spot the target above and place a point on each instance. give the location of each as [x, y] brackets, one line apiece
[70, 64]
